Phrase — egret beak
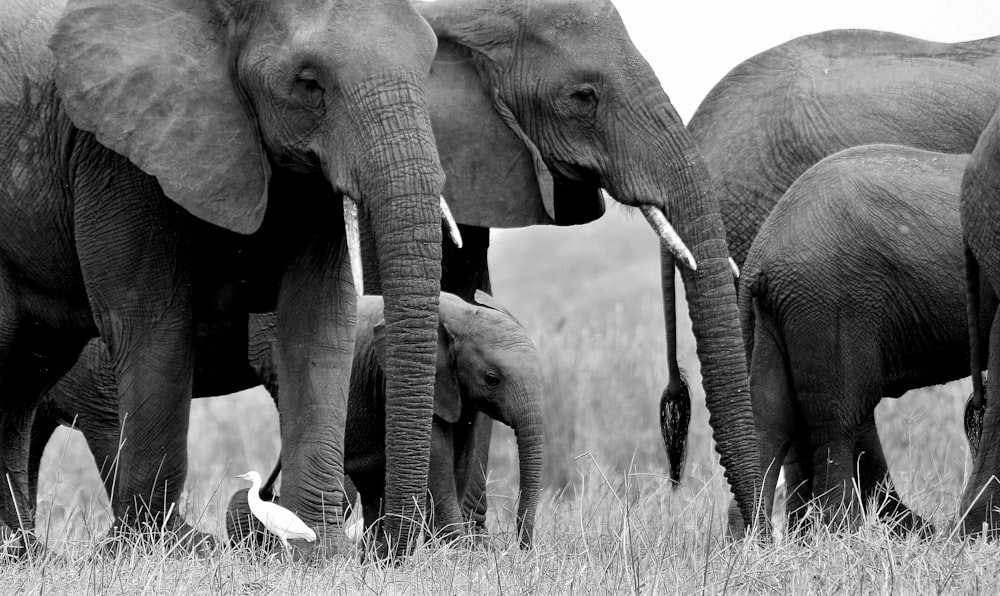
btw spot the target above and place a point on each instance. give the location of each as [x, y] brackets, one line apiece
[354, 243]
[450, 224]
[668, 235]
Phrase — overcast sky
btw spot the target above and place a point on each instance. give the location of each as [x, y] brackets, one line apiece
[693, 43]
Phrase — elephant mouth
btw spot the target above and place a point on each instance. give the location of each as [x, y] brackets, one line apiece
[576, 195]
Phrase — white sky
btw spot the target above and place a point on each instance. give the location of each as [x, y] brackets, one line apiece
[691, 44]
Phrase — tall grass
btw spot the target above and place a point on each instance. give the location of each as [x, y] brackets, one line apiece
[609, 521]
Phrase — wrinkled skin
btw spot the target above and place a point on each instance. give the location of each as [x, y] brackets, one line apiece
[980, 219]
[486, 364]
[139, 140]
[778, 113]
[587, 112]
[851, 292]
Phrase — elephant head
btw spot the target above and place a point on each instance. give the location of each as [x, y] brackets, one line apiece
[215, 98]
[583, 111]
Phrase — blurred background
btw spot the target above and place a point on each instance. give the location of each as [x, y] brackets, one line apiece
[590, 298]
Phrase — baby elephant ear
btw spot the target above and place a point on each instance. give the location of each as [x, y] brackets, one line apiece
[150, 79]
[447, 394]
[484, 299]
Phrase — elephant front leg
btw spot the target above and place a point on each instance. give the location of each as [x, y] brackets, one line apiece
[441, 483]
[134, 251]
[316, 317]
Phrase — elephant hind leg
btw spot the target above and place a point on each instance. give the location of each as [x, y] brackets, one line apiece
[981, 491]
[877, 489]
[773, 397]
[32, 358]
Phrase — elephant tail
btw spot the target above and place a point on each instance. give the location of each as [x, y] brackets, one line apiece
[975, 408]
[675, 401]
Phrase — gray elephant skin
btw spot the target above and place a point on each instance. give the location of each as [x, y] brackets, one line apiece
[486, 363]
[585, 111]
[852, 291]
[148, 149]
[980, 220]
[778, 113]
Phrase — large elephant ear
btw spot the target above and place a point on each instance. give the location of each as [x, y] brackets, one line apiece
[493, 176]
[150, 79]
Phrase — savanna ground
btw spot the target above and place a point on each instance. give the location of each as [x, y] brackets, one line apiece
[609, 521]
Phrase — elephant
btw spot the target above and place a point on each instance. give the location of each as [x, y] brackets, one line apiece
[486, 363]
[585, 112]
[980, 220]
[852, 291]
[172, 161]
[778, 113]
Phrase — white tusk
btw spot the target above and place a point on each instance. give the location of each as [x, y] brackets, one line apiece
[354, 243]
[734, 267]
[449, 223]
[658, 221]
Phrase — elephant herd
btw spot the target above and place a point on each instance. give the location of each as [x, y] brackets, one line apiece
[195, 194]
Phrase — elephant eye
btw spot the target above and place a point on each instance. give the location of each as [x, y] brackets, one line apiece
[492, 379]
[308, 89]
[585, 95]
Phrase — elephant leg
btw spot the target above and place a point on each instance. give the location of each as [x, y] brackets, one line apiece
[876, 486]
[134, 250]
[463, 271]
[474, 503]
[773, 399]
[978, 500]
[32, 358]
[441, 483]
[798, 485]
[314, 349]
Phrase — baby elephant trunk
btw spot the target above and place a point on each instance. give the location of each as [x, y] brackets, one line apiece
[527, 421]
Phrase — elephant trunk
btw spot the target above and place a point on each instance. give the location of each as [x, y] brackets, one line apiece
[402, 203]
[524, 415]
[664, 169]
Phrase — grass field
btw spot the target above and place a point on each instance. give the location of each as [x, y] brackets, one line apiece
[609, 521]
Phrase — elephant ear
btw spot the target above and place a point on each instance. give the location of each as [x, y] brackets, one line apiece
[489, 32]
[494, 175]
[484, 299]
[151, 80]
[447, 395]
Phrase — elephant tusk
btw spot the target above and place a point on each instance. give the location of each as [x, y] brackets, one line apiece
[735, 268]
[449, 223]
[354, 243]
[668, 235]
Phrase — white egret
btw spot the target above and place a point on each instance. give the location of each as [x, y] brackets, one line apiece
[279, 521]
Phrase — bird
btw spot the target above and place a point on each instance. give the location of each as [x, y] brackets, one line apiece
[279, 521]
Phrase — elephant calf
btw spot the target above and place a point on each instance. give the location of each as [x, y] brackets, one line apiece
[852, 291]
[485, 363]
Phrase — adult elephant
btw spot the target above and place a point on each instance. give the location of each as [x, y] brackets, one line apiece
[583, 110]
[851, 292]
[138, 138]
[775, 115]
[980, 217]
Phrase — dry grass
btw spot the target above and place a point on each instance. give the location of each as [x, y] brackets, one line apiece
[609, 521]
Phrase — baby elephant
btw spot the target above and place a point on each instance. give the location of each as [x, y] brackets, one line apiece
[852, 291]
[485, 363]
